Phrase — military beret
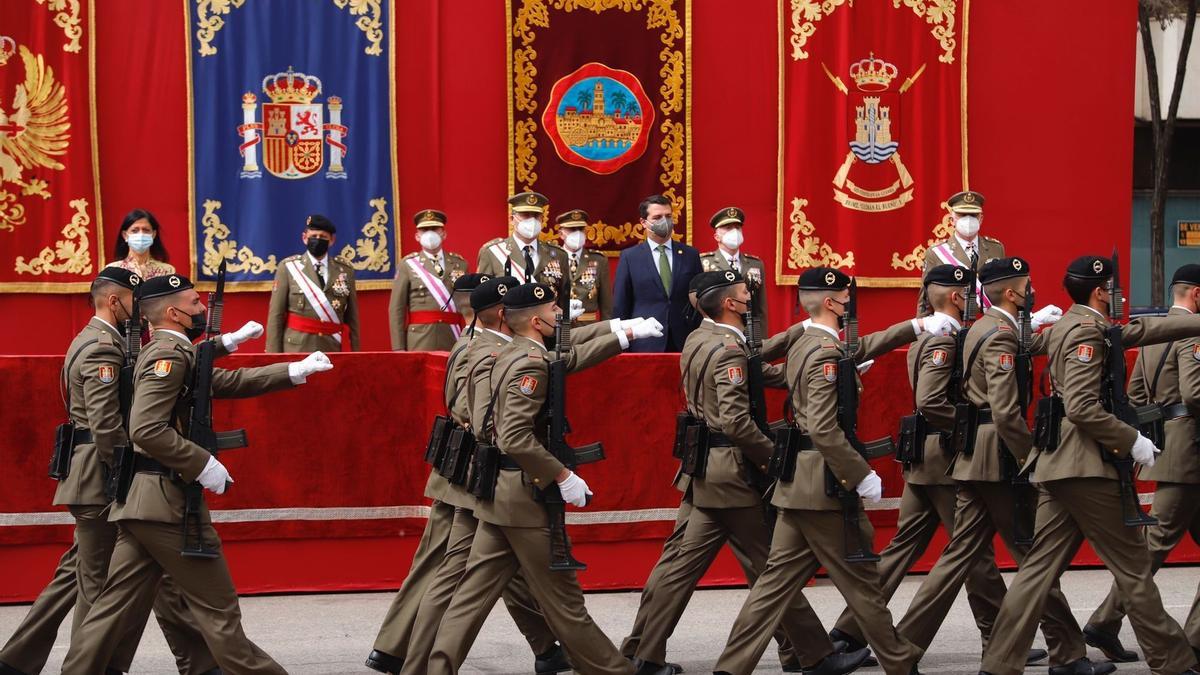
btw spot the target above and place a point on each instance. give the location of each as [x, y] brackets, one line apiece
[469, 282]
[160, 286]
[319, 222]
[120, 276]
[730, 215]
[947, 275]
[711, 281]
[823, 279]
[573, 218]
[491, 292]
[1092, 267]
[965, 202]
[528, 202]
[1188, 274]
[528, 295]
[429, 218]
[998, 269]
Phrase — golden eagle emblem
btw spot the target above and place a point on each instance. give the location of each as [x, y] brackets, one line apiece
[32, 133]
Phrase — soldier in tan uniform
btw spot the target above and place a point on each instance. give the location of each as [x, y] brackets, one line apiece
[588, 269]
[929, 493]
[1167, 374]
[726, 503]
[522, 250]
[809, 529]
[1079, 496]
[727, 227]
[422, 313]
[966, 210]
[314, 305]
[91, 381]
[149, 521]
[513, 532]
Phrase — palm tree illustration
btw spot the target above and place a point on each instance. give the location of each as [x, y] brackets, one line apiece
[582, 97]
[619, 100]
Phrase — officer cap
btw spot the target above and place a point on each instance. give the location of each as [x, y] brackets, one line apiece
[319, 222]
[947, 275]
[492, 292]
[120, 276]
[1090, 267]
[710, 281]
[1188, 274]
[999, 269]
[528, 202]
[965, 202]
[528, 295]
[572, 218]
[429, 218]
[160, 286]
[730, 215]
[823, 279]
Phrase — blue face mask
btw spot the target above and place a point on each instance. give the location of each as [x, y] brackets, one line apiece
[140, 241]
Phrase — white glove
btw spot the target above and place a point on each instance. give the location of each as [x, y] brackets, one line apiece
[1144, 451]
[313, 363]
[1046, 316]
[251, 331]
[574, 490]
[870, 488]
[865, 366]
[576, 308]
[939, 324]
[651, 321]
[622, 324]
[648, 328]
[215, 477]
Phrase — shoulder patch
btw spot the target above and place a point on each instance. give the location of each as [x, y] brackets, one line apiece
[528, 384]
[1007, 362]
[938, 357]
[829, 370]
[736, 374]
[1196, 352]
[1085, 353]
[106, 373]
[162, 368]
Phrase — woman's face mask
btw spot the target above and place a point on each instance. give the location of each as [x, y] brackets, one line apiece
[140, 242]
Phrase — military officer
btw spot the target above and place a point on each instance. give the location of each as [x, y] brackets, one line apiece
[1169, 375]
[588, 269]
[727, 230]
[810, 530]
[148, 541]
[1078, 499]
[314, 305]
[422, 313]
[966, 211]
[726, 503]
[522, 254]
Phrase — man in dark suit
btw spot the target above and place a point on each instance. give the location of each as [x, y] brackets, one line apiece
[652, 279]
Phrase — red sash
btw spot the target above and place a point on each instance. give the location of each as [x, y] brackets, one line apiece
[312, 326]
[434, 316]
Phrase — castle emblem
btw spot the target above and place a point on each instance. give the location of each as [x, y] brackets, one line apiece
[293, 131]
[598, 118]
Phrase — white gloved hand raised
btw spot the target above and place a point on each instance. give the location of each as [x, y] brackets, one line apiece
[576, 309]
[215, 477]
[1046, 316]
[1144, 451]
[865, 366]
[315, 362]
[647, 328]
[250, 331]
[622, 324]
[938, 324]
[870, 487]
[574, 490]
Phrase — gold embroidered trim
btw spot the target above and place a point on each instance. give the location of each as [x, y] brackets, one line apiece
[67, 19]
[209, 21]
[370, 251]
[70, 255]
[916, 259]
[806, 249]
[218, 246]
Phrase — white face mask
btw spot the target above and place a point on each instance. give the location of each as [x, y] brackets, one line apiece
[140, 241]
[732, 239]
[430, 240]
[575, 240]
[528, 228]
[967, 226]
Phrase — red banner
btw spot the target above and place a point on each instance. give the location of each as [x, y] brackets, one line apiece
[50, 234]
[598, 110]
[872, 134]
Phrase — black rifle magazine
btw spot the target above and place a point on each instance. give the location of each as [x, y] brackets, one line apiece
[439, 436]
[911, 448]
[64, 448]
[966, 423]
[1047, 425]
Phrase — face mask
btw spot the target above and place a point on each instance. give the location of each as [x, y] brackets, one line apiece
[575, 240]
[140, 241]
[528, 228]
[121, 322]
[841, 317]
[967, 226]
[198, 323]
[431, 241]
[732, 239]
[317, 246]
[662, 227]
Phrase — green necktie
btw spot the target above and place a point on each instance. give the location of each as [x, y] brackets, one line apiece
[664, 267]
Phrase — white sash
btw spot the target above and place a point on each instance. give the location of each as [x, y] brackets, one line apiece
[946, 255]
[437, 288]
[316, 297]
[515, 270]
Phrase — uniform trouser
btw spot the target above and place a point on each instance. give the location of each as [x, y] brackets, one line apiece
[804, 541]
[1069, 511]
[496, 556]
[144, 552]
[629, 645]
[1177, 507]
[517, 598]
[77, 582]
[922, 509]
[983, 510]
[397, 625]
[707, 530]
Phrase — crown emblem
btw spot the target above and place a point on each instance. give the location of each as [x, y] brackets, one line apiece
[872, 74]
[8, 47]
[429, 215]
[830, 278]
[731, 212]
[291, 87]
[1097, 266]
[531, 199]
[969, 198]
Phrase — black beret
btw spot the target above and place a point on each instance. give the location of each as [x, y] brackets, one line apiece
[319, 222]
[710, 281]
[1092, 267]
[160, 286]
[120, 276]
[1188, 274]
[491, 292]
[823, 279]
[947, 275]
[469, 282]
[730, 215]
[528, 295]
[998, 269]
[429, 218]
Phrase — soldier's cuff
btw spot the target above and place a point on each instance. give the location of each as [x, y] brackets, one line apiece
[623, 339]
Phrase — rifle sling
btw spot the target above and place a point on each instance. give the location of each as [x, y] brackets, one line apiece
[487, 418]
[64, 384]
[1158, 370]
[450, 369]
[916, 371]
[697, 388]
[971, 361]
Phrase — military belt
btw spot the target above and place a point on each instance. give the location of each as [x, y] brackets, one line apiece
[985, 416]
[144, 464]
[81, 436]
[1175, 411]
[719, 440]
[508, 464]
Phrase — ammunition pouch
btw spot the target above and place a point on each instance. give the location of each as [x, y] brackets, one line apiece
[1047, 426]
[966, 424]
[116, 487]
[64, 449]
[789, 441]
[683, 420]
[460, 448]
[695, 450]
[485, 471]
[439, 437]
[911, 448]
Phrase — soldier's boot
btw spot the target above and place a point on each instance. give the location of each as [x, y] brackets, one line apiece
[648, 668]
[1036, 656]
[1109, 644]
[845, 642]
[551, 662]
[1083, 666]
[6, 669]
[840, 663]
[384, 662]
